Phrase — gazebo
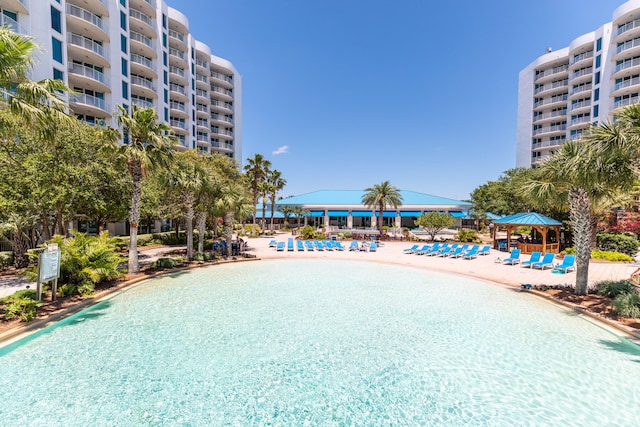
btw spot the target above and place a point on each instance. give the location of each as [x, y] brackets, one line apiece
[538, 222]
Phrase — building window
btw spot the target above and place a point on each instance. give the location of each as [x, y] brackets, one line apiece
[598, 61]
[123, 20]
[166, 114]
[57, 74]
[595, 111]
[164, 40]
[596, 94]
[56, 22]
[166, 96]
[166, 77]
[123, 43]
[123, 2]
[125, 67]
[125, 90]
[164, 58]
[599, 44]
[597, 78]
[56, 49]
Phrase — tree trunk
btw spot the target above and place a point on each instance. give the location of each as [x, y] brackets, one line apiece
[201, 224]
[135, 170]
[20, 246]
[273, 206]
[188, 219]
[59, 225]
[580, 214]
[45, 225]
[264, 214]
[228, 229]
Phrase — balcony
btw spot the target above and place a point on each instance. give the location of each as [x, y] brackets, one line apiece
[177, 40]
[626, 86]
[78, 18]
[202, 64]
[575, 106]
[546, 144]
[222, 146]
[87, 50]
[580, 89]
[224, 107]
[224, 133]
[547, 102]
[5, 21]
[146, 6]
[141, 65]
[628, 48]
[89, 105]
[202, 94]
[581, 57]
[202, 81]
[178, 124]
[202, 123]
[551, 115]
[178, 92]
[142, 23]
[220, 93]
[549, 74]
[142, 103]
[580, 121]
[220, 119]
[585, 72]
[88, 78]
[202, 137]
[226, 81]
[550, 129]
[19, 6]
[143, 86]
[178, 58]
[627, 30]
[551, 87]
[631, 100]
[142, 45]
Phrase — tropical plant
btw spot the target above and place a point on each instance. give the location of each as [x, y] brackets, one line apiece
[21, 304]
[256, 171]
[613, 288]
[234, 203]
[625, 243]
[434, 222]
[264, 188]
[147, 145]
[628, 305]
[380, 196]
[276, 183]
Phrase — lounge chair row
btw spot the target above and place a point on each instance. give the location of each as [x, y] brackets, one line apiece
[319, 245]
[537, 260]
[455, 250]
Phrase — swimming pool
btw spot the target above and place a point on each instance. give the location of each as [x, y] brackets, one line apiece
[317, 342]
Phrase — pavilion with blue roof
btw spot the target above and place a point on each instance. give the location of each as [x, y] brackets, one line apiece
[540, 223]
[344, 208]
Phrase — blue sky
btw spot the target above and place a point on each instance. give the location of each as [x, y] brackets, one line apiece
[345, 94]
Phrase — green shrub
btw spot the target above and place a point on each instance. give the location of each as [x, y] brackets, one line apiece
[569, 251]
[6, 260]
[628, 305]
[618, 242]
[610, 256]
[348, 235]
[86, 289]
[307, 232]
[612, 288]
[319, 236]
[467, 235]
[67, 290]
[165, 263]
[21, 304]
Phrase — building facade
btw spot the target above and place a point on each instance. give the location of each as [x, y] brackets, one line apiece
[126, 52]
[563, 92]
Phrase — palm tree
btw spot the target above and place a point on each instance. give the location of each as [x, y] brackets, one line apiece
[276, 183]
[187, 178]
[299, 212]
[256, 170]
[147, 145]
[264, 188]
[234, 203]
[381, 195]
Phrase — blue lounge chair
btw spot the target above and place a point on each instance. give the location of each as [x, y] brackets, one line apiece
[456, 253]
[568, 263]
[309, 245]
[411, 250]
[328, 244]
[280, 246]
[427, 248]
[272, 243]
[514, 258]
[373, 247]
[319, 246]
[354, 245]
[535, 257]
[485, 250]
[448, 249]
[290, 244]
[471, 253]
[339, 246]
[547, 261]
[300, 245]
[435, 250]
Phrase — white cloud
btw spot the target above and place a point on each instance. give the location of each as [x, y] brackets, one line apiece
[281, 150]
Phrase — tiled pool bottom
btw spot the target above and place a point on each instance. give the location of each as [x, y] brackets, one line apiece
[314, 342]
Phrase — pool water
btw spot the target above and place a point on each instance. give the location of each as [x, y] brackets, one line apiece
[316, 342]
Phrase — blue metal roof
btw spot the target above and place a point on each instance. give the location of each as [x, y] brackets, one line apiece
[354, 197]
[527, 218]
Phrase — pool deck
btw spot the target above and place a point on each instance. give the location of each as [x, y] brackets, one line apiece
[484, 267]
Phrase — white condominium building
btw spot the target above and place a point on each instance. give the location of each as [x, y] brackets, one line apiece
[124, 52]
[564, 91]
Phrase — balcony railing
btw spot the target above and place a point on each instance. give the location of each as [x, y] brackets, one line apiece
[544, 144]
[579, 120]
[203, 108]
[142, 39]
[176, 70]
[178, 53]
[549, 115]
[83, 70]
[553, 99]
[552, 85]
[176, 35]
[87, 43]
[552, 71]
[86, 15]
[628, 45]
[83, 98]
[627, 64]
[218, 144]
[220, 117]
[581, 88]
[221, 77]
[626, 83]
[201, 122]
[203, 64]
[581, 57]
[11, 23]
[177, 106]
[221, 132]
[178, 124]
[177, 88]
[202, 137]
[202, 93]
[583, 72]
[201, 78]
[142, 17]
[141, 102]
[628, 26]
[581, 104]
[216, 103]
[222, 91]
[139, 59]
[136, 80]
[556, 128]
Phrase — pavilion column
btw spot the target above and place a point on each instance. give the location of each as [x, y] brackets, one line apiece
[349, 221]
[374, 223]
[326, 218]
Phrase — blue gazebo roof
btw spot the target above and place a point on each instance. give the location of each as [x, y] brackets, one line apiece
[527, 218]
[354, 197]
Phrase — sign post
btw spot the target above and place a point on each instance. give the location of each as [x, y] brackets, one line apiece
[48, 269]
